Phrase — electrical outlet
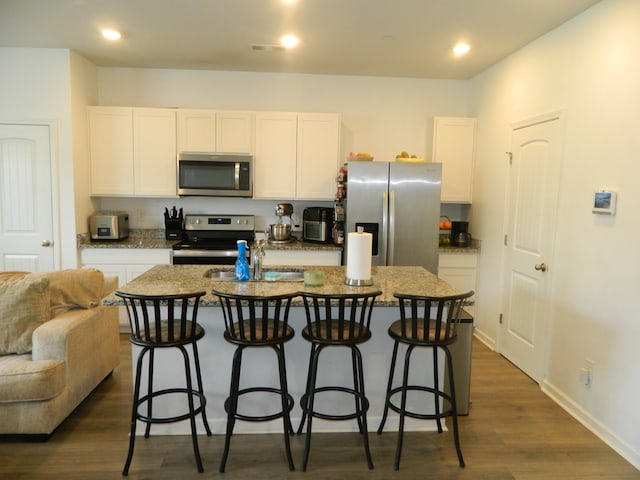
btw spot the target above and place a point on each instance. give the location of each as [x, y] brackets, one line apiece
[586, 372]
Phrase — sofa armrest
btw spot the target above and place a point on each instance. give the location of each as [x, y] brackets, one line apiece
[110, 285]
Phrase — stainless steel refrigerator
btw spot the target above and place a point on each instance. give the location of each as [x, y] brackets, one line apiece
[399, 204]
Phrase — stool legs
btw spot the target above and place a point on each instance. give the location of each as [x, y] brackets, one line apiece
[308, 399]
[137, 401]
[231, 404]
[403, 390]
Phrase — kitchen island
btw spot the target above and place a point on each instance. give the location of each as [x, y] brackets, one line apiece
[216, 354]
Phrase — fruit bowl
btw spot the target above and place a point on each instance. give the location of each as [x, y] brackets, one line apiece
[358, 158]
[410, 159]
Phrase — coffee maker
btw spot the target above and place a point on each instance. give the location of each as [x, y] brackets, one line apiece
[460, 236]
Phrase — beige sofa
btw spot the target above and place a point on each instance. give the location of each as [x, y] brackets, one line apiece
[56, 345]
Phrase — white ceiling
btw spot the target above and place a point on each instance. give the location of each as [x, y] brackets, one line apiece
[400, 38]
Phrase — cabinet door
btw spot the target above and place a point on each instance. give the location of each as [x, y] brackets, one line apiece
[111, 150]
[317, 155]
[275, 155]
[234, 132]
[154, 151]
[460, 271]
[454, 147]
[196, 130]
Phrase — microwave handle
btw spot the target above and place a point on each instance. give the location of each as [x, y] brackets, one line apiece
[237, 176]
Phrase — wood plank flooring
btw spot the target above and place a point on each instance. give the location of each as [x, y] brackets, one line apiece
[513, 431]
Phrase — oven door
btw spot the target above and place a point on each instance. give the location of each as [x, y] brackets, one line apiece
[204, 257]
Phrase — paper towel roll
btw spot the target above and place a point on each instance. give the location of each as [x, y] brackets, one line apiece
[359, 256]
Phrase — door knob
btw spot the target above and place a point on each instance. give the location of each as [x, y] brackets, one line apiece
[46, 243]
[541, 267]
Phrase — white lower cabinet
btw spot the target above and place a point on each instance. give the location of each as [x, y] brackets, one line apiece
[460, 271]
[126, 263]
[302, 257]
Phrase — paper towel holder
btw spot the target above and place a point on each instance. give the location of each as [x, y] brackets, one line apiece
[358, 282]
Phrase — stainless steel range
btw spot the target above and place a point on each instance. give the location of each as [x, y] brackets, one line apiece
[211, 239]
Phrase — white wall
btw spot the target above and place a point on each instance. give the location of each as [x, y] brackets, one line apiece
[36, 88]
[588, 66]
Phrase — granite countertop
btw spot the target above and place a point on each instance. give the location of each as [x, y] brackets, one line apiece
[143, 238]
[149, 238]
[166, 279]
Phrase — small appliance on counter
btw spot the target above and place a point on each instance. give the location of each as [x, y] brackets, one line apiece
[460, 236]
[280, 232]
[109, 225]
[317, 224]
[173, 224]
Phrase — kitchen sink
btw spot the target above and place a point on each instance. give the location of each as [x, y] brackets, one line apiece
[267, 276]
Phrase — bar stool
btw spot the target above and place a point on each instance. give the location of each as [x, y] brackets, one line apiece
[257, 322]
[339, 320]
[425, 322]
[159, 322]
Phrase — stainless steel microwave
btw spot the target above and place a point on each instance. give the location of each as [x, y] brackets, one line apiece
[215, 174]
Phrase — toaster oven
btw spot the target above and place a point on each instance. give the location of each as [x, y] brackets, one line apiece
[317, 224]
[109, 225]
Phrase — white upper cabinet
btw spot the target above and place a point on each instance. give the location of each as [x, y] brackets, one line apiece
[296, 155]
[111, 150]
[454, 147]
[132, 151]
[318, 154]
[154, 151]
[274, 161]
[215, 131]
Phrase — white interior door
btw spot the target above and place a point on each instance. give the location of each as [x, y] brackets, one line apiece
[26, 202]
[533, 192]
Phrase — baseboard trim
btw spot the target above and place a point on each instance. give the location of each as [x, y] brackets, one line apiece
[599, 429]
[488, 341]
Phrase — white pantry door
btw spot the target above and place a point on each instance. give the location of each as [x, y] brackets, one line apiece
[26, 201]
[533, 192]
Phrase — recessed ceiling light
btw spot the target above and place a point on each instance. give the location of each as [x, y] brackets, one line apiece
[461, 48]
[289, 41]
[110, 34]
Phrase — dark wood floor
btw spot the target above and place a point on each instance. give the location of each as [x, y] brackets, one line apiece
[513, 431]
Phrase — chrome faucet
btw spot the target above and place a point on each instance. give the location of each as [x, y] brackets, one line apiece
[258, 254]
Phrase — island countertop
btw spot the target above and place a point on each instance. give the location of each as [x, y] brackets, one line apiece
[167, 279]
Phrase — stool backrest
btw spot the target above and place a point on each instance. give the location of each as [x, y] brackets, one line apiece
[162, 319]
[339, 317]
[255, 318]
[430, 320]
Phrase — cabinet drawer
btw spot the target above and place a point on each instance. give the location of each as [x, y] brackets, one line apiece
[126, 256]
[453, 260]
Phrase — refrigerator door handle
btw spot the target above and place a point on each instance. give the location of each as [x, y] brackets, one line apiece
[382, 250]
[392, 227]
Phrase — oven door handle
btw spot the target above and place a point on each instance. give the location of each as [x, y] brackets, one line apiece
[204, 253]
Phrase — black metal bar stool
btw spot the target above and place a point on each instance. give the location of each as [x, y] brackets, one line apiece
[257, 322]
[165, 321]
[340, 320]
[425, 322]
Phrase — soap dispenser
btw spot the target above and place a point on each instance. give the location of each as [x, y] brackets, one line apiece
[242, 266]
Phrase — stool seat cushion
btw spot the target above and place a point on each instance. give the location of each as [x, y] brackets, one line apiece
[243, 331]
[419, 333]
[319, 330]
[176, 337]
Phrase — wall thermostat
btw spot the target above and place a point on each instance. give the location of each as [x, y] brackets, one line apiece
[604, 202]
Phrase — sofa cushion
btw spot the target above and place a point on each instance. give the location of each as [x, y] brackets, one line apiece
[24, 305]
[73, 288]
[22, 379]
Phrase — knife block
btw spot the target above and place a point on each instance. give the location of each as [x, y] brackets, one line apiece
[173, 229]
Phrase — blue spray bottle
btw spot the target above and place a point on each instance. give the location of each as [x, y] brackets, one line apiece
[242, 266]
